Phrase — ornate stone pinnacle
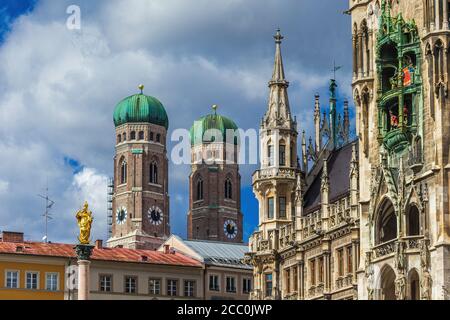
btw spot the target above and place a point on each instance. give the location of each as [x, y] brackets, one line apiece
[278, 37]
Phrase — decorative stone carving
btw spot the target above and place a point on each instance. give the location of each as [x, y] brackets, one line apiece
[369, 275]
[400, 287]
[426, 285]
[400, 258]
[424, 255]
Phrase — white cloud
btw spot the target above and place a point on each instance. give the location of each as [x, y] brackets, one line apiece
[91, 186]
[58, 89]
[4, 187]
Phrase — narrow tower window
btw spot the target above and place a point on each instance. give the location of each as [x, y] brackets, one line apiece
[270, 155]
[282, 155]
[199, 190]
[228, 189]
[154, 173]
[282, 209]
[123, 172]
[270, 211]
[133, 135]
[141, 135]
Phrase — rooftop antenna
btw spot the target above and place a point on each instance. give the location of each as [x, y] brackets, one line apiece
[48, 205]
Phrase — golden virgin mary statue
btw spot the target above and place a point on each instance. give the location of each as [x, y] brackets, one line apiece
[84, 218]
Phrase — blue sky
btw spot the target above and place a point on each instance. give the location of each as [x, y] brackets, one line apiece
[59, 87]
[10, 9]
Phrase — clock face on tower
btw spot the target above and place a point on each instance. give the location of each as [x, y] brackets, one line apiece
[121, 215]
[155, 215]
[230, 229]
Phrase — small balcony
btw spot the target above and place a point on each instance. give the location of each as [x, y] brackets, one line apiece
[396, 140]
[274, 173]
[385, 249]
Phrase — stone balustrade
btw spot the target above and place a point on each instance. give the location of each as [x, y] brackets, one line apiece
[384, 249]
[274, 173]
[311, 225]
[340, 212]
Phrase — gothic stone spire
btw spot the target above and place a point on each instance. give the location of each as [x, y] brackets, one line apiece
[278, 113]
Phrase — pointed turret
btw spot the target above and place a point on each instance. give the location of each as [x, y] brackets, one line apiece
[346, 122]
[333, 119]
[354, 181]
[278, 113]
[304, 152]
[325, 194]
[278, 76]
[317, 123]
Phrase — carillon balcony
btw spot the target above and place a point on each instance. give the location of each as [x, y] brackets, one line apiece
[396, 140]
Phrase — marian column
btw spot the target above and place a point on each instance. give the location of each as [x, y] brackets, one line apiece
[84, 251]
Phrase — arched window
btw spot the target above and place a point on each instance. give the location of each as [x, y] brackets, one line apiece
[124, 136]
[414, 285]
[154, 173]
[151, 136]
[199, 189]
[123, 172]
[386, 226]
[364, 47]
[141, 135]
[158, 138]
[355, 50]
[270, 155]
[228, 189]
[282, 153]
[413, 221]
[133, 135]
[439, 61]
[388, 283]
[119, 138]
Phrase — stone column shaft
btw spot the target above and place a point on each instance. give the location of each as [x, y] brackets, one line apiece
[83, 279]
[301, 281]
[360, 55]
[445, 18]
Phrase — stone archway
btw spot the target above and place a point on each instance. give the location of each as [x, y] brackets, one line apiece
[386, 223]
[387, 282]
[413, 285]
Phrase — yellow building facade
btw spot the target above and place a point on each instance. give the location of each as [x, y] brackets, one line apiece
[31, 278]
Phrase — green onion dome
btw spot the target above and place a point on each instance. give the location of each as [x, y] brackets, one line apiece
[212, 122]
[140, 108]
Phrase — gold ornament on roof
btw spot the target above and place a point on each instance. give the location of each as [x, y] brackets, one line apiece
[141, 87]
[84, 219]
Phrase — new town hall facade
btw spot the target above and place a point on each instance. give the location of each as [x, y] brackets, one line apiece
[369, 219]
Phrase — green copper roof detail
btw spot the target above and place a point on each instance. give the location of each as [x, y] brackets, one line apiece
[141, 108]
[212, 122]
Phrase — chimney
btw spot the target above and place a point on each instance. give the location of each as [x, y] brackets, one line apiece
[166, 249]
[16, 237]
[98, 244]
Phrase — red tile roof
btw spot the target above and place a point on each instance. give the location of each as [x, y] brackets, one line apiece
[103, 254]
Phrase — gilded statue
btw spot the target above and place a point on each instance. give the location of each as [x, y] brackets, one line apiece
[84, 218]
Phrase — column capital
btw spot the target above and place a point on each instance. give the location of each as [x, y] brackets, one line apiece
[84, 252]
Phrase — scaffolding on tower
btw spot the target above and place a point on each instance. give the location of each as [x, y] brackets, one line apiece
[109, 213]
